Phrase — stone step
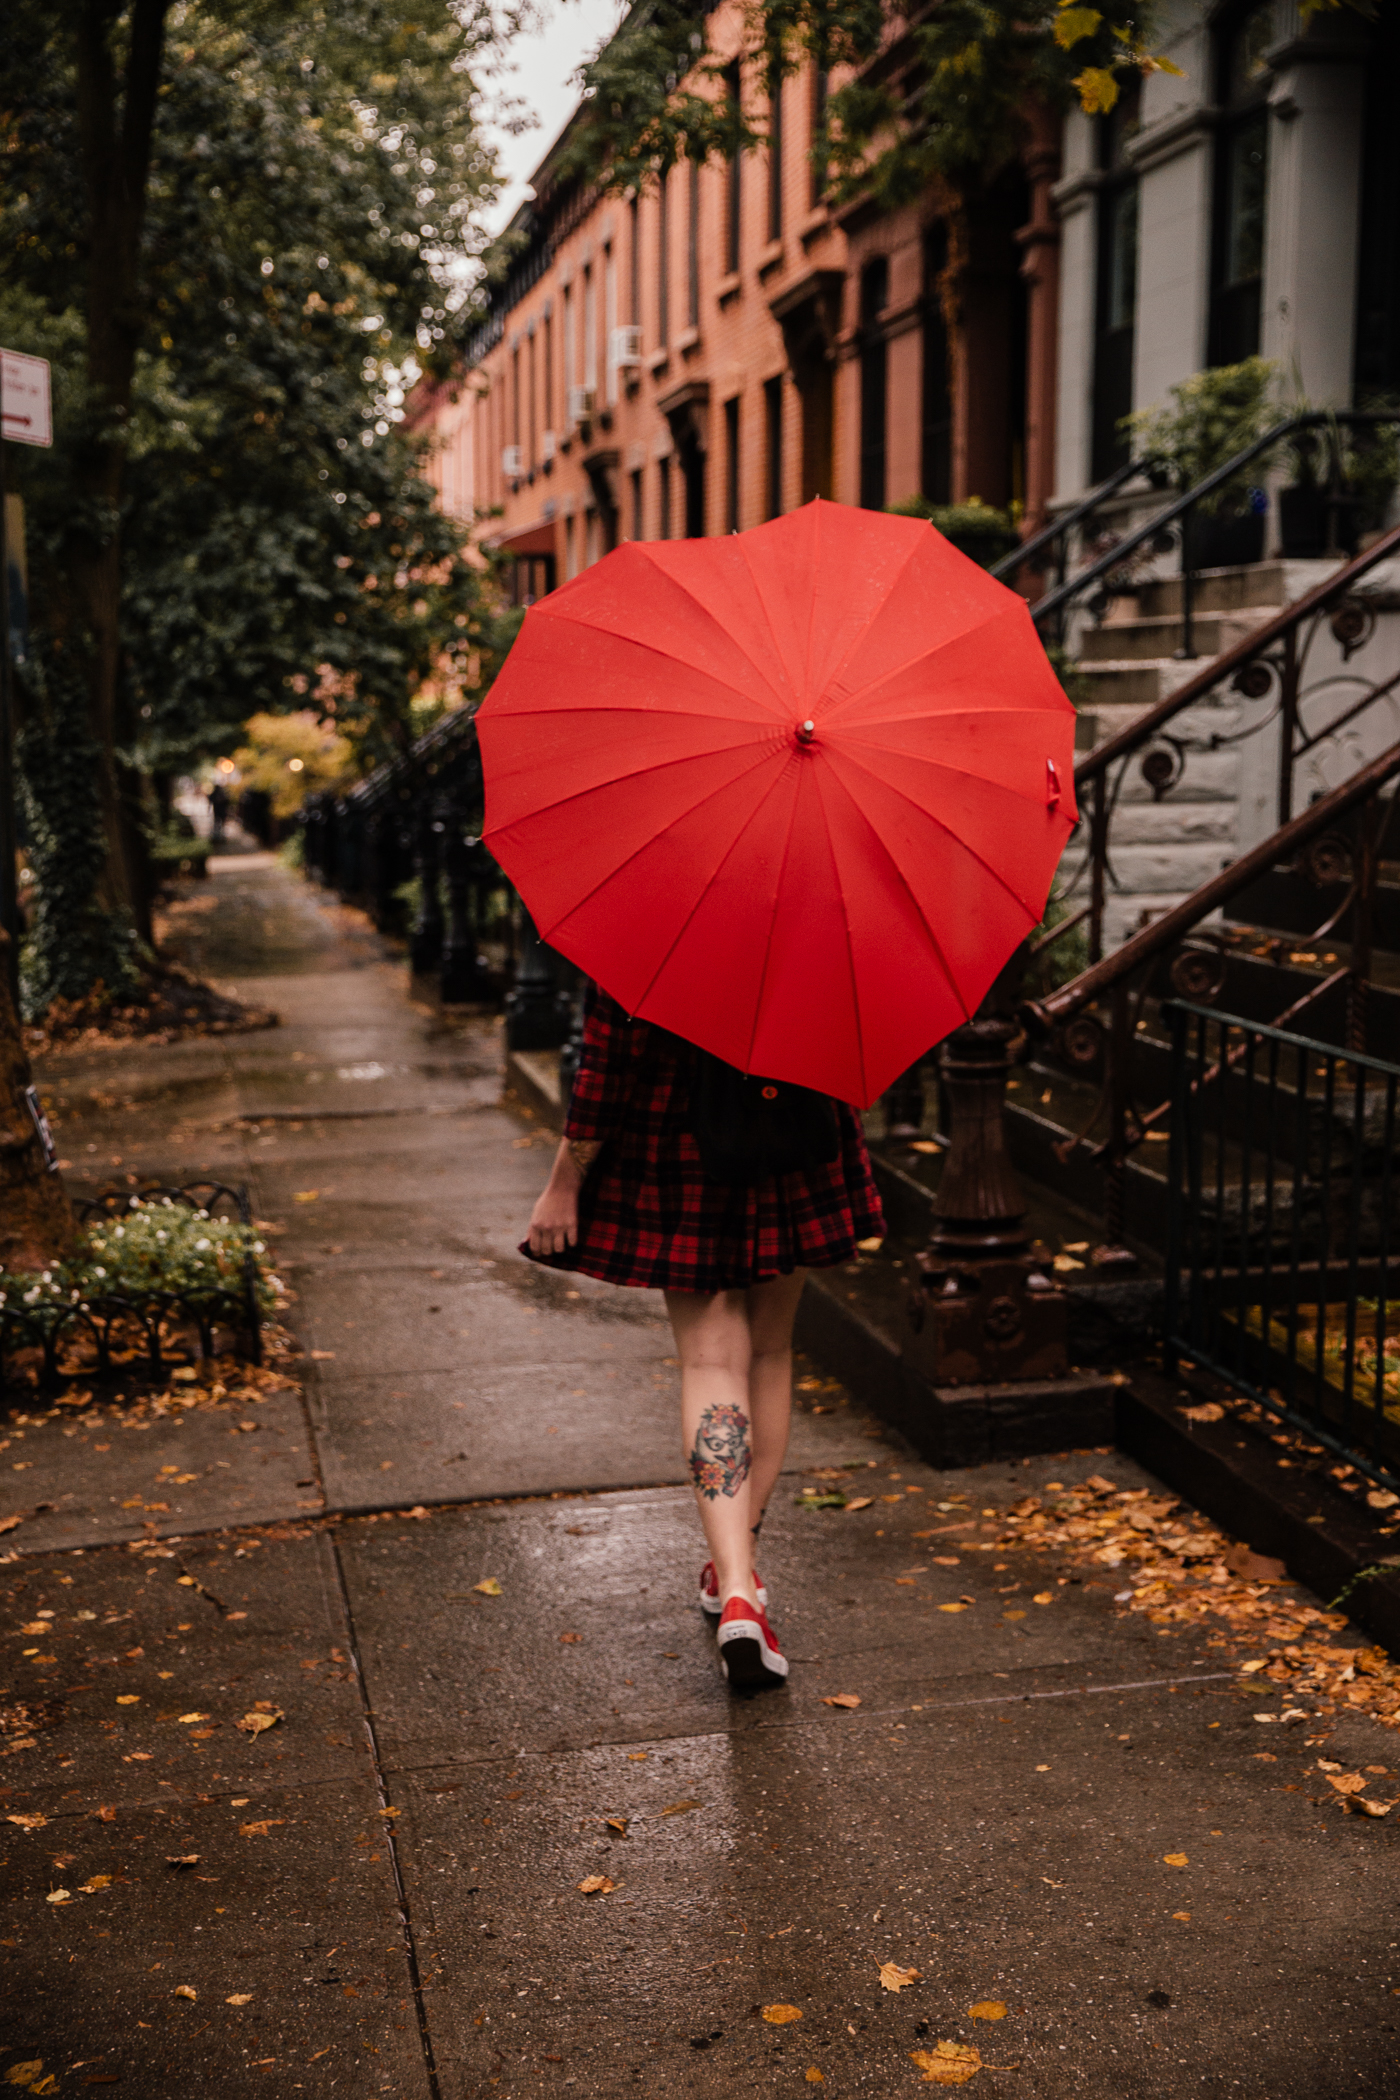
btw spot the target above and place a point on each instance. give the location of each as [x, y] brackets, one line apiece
[1156, 639]
[1267, 583]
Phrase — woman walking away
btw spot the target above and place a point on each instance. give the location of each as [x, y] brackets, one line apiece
[677, 1173]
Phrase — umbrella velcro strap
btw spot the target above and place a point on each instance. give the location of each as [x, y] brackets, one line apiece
[747, 1128]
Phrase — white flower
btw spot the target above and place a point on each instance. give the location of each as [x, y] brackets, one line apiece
[258, 1247]
[162, 1235]
[201, 1246]
[99, 1272]
[47, 1276]
[120, 1233]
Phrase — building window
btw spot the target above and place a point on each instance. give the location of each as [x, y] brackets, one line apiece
[634, 258]
[1241, 185]
[692, 250]
[874, 364]
[734, 172]
[515, 397]
[936, 402]
[663, 470]
[731, 465]
[610, 319]
[1115, 310]
[663, 262]
[568, 349]
[590, 330]
[570, 549]
[773, 447]
[547, 378]
[775, 150]
[638, 521]
[817, 157]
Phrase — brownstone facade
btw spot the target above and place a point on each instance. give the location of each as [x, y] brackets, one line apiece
[719, 350]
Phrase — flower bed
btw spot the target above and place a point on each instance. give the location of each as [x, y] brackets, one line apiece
[151, 1280]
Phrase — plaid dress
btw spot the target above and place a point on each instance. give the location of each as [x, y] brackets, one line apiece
[647, 1213]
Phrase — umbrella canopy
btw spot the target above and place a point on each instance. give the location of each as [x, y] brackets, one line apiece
[794, 794]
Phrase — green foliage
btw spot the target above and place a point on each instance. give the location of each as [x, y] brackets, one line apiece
[974, 527]
[944, 101]
[74, 942]
[154, 1247]
[1214, 415]
[315, 175]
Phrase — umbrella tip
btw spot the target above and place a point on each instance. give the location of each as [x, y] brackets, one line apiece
[805, 732]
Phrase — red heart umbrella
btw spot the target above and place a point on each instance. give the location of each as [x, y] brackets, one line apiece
[794, 794]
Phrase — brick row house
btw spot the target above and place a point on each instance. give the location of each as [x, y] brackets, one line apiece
[729, 344]
[721, 348]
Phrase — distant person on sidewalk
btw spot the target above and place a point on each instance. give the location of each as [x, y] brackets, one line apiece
[218, 809]
[629, 1199]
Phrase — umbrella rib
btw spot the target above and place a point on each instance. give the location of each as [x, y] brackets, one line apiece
[637, 772]
[849, 749]
[860, 639]
[723, 789]
[846, 923]
[729, 851]
[768, 943]
[920, 913]
[668, 655]
[928, 815]
[920, 656]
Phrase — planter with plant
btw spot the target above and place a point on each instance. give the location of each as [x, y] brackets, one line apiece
[1343, 482]
[974, 528]
[1214, 415]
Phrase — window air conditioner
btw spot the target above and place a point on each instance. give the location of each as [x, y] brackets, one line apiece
[580, 404]
[625, 347]
[548, 447]
[512, 462]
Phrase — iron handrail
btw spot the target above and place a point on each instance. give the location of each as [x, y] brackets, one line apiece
[1041, 1015]
[1279, 1035]
[1116, 555]
[1146, 726]
[1062, 526]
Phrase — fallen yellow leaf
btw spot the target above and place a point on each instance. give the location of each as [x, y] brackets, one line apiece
[814, 2076]
[860, 1502]
[185, 1719]
[617, 1823]
[597, 1885]
[59, 1896]
[98, 1881]
[1184, 1915]
[1043, 1597]
[305, 1195]
[893, 1978]
[128, 1698]
[240, 1998]
[1362, 1805]
[952, 1607]
[947, 2063]
[849, 1700]
[781, 2015]
[1347, 1782]
[260, 1830]
[29, 1822]
[1175, 1859]
[186, 1990]
[987, 2009]
[489, 1587]
[253, 1723]
[37, 1626]
[182, 1859]
[25, 2074]
[637, 1757]
[679, 1808]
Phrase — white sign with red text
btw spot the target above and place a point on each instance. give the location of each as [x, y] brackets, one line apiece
[24, 394]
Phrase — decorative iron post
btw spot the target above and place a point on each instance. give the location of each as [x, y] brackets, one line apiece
[536, 1014]
[425, 939]
[986, 1309]
[464, 979]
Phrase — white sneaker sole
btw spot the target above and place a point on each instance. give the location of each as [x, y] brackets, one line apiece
[746, 1658]
[712, 1606]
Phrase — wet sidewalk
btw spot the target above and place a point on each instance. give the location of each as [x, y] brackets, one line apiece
[449, 1558]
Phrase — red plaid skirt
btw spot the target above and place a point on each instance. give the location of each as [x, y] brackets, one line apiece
[647, 1214]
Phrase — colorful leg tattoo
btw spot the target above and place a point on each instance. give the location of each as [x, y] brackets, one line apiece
[719, 1463]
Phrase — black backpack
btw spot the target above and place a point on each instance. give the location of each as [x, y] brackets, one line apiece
[747, 1128]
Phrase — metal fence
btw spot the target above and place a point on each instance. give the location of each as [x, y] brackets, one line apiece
[1280, 1263]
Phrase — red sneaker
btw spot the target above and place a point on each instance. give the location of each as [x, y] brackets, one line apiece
[749, 1654]
[709, 1590]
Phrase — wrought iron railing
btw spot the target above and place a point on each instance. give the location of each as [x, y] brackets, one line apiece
[1115, 569]
[147, 1331]
[1281, 1273]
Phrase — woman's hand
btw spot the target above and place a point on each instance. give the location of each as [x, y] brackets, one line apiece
[554, 1219]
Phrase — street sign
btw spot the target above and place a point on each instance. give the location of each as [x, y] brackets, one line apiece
[24, 396]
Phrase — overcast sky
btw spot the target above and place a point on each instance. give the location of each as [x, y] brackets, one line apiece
[539, 75]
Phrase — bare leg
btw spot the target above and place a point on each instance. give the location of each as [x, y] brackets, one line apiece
[772, 1309]
[735, 1349]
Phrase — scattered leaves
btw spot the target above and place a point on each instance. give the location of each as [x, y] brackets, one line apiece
[128, 1698]
[186, 1990]
[618, 1823]
[260, 1830]
[98, 1881]
[240, 1998]
[1208, 1411]
[860, 1502]
[849, 1700]
[814, 2076]
[306, 1195]
[893, 1978]
[35, 1821]
[681, 1808]
[571, 1640]
[1176, 1859]
[781, 2015]
[182, 1859]
[597, 1885]
[987, 2009]
[489, 1587]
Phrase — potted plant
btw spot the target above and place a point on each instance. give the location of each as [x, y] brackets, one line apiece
[974, 527]
[1211, 417]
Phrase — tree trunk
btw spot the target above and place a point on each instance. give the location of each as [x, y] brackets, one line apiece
[116, 165]
[36, 1224]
